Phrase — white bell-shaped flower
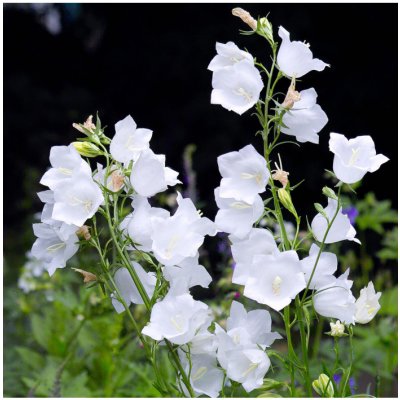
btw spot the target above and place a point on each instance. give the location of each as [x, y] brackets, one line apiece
[205, 375]
[180, 236]
[367, 305]
[326, 267]
[336, 300]
[295, 59]
[237, 88]
[244, 174]
[129, 141]
[177, 319]
[187, 274]
[66, 162]
[341, 228]
[150, 176]
[52, 248]
[228, 54]
[258, 242]
[275, 279]
[237, 217]
[128, 289]
[305, 119]
[355, 157]
[137, 225]
[77, 200]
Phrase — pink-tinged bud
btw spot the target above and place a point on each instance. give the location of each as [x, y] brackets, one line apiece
[245, 17]
[292, 96]
[83, 232]
[117, 180]
[87, 276]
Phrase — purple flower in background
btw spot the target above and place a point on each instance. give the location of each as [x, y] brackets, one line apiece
[352, 383]
[237, 295]
[352, 213]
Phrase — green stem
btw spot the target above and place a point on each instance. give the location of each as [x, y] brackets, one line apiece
[317, 337]
[286, 319]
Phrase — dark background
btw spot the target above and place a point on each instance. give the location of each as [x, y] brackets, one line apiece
[63, 62]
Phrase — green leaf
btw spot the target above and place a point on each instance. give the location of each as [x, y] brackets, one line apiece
[40, 330]
[389, 303]
[31, 358]
[268, 394]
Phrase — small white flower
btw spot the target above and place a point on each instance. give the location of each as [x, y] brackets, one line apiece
[244, 174]
[341, 228]
[150, 176]
[275, 279]
[355, 157]
[237, 88]
[177, 319]
[336, 300]
[258, 242]
[128, 289]
[77, 200]
[326, 267]
[129, 141]
[237, 217]
[66, 163]
[228, 54]
[367, 305]
[305, 119]
[205, 376]
[337, 329]
[295, 59]
[52, 248]
[180, 236]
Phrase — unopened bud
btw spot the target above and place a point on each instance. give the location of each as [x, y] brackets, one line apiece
[245, 17]
[87, 149]
[88, 125]
[87, 276]
[323, 386]
[286, 200]
[265, 29]
[83, 231]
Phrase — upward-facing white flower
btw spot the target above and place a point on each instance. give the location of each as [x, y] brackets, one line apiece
[295, 59]
[326, 267]
[275, 279]
[150, 175]
[129, 141]
[305, 119]
[236, 88]
[355, 157]
[367, 305]
[244, 174]
[65, 162]
[237, 217]
[228, 54]
[341, 228]
[336, 300]
[258, 242]
[180, 236]
[177, 318]
[77, 200]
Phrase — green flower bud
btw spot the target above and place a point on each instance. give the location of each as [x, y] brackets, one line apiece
[328, 192]
[323, 386]
[87, 149]
[264, 28]
[286, 200]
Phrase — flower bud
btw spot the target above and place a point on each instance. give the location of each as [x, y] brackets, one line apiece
[87, 149]
[88, 125]
[323, 386]
[328, 192]
[286, 200]
[265, 29]
[117, 180]
[292, 96]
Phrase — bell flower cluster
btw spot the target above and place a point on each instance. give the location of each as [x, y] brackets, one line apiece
[236, 82]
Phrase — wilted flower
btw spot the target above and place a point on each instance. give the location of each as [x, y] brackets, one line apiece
[295, 59]
[337, 329]
[129, 141]
[150, 176]
[305, 119]
[354, 157]
[244, 174]
[237, 217]
[341, 228]
[228, 54]
[367, 305]
[237, 88]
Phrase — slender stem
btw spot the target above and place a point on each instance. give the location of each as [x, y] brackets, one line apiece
[317, 337]
[286, 319]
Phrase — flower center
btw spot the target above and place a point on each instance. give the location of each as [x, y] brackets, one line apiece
[199, 374]
[244, 93]
[65, 171]
[251, 368]
[171, 246]
[239, 205]
[55, 247]
[176, 323]
[370, 309]
[354, 156]
[276, 285]
[257, 177]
